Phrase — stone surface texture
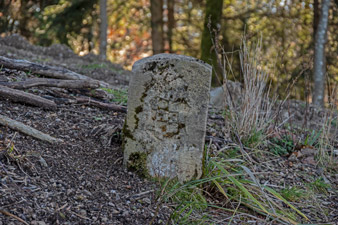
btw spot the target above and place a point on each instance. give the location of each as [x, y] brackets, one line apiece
[167, 112]
[220, 96]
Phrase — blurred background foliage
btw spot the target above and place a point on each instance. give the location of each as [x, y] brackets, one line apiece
[284, 27]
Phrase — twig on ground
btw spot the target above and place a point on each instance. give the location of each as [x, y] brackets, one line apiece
[37, 82]
[27, 98]
[48, 71]
[13, 216]
[15, 125]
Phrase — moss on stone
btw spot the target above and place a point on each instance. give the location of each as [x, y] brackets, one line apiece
[138, 110]
[137, 162]
[126, 133]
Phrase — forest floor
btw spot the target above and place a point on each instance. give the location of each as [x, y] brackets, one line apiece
[82, 180]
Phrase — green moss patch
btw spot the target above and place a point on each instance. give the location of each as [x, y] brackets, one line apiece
[137, 163]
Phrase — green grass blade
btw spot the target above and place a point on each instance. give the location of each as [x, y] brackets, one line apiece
[241, 187]
[277, 195]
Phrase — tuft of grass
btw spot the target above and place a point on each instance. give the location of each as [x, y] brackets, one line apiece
[312, 138]
[253, 140]
[251, 116]
[94, 66]
[120, 96]
[226, 185]
[319, 185]
[282, 146]
[326, 147]
[293, 194]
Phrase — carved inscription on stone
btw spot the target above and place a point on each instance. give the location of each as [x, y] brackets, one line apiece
[167, 111]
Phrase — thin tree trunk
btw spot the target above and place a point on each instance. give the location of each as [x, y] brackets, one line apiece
[316, 14]
[103, 28]
[171, 24]
[319, 55]
[213, 12]
[156, 8]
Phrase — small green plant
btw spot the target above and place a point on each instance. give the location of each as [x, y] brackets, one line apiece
[187, 199]
[293, 194]
[312, 139]
[282, 146]
[227, 181]
[98, 118]
[254, 139]
[120, 96]
[319, 185]
[94, 66]
[28, 72]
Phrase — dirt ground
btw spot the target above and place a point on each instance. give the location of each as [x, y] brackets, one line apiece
[82, 180]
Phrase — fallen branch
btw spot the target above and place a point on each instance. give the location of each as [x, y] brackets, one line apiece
[97, 93]
[48, 71]
[15, 125]
[101, 105]
[23, 97]
[73, 84]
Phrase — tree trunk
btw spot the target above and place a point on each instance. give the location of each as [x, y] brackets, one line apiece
[171, 24]
[316, 14]
[103, 28]
[213, 11]
[319, 55]
[156, 9]
[24, 19]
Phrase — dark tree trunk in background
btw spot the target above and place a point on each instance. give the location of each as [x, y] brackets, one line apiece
[24, 18]
[156, 9]
[171, 24]
[103, 28]
[319, 55]
[213, 10]
[316, 14]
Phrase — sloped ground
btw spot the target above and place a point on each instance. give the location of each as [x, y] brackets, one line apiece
[82, 181]
[90, 65]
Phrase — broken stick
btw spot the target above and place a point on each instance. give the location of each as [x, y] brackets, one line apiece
[48, 71]
[23, 97]
[101, 105]
[72, 84]
[15, 125]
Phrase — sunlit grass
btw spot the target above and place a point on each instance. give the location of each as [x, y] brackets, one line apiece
[120, 96]
[227, 183]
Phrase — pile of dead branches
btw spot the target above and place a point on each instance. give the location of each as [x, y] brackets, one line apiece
[57, 78]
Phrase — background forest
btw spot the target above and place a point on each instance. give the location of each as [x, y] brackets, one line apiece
[286, 30]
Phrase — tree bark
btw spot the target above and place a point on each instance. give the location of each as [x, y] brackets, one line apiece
[23, 97]
[213, 12]
[35, 82]
[101, 105]
[15, 125]
[171, 23]
[156, 9]
[316, 15]
[48, 71]
[319, 55]
[103, 29]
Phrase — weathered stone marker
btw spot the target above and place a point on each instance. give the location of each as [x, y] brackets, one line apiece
[167, 113]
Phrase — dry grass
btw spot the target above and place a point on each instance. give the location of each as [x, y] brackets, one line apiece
[253, 113]
[326, 155]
